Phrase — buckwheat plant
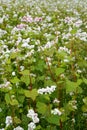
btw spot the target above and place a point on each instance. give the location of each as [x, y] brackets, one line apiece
[43, 65]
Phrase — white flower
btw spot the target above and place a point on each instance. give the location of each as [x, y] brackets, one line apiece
[25, 44]
[73, 104]
[78, 23]
[71, 93]
[69, 20]
[1, 20]
[21, 68]
[34, 116]
[66, 60]
[13, 73]
[8, 120]
[73, 120]
[7, 84]
[18, 128]
[56, 112]
[30, 113]
[2, 32]
[35, 119]
[79, 71]
[31, 126]
[75, 107]
[64, 49]
[62, 76]
[49, 44]
[85, 58]
[56, 101]
[47, 90]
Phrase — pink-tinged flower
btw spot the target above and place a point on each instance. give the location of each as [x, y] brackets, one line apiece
[21, 26]
[27, 19]
[37, 19]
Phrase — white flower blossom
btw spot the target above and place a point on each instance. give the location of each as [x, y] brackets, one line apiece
[64, 49]
[2, 32]
[85, 58]
[47, 90]
[49, 44]
[5, 85]
[56, 101]
[73, 120]
[31, 126]
[34, 116]
[79, 71]
[1, 20]
[56, 111]
[21, 68]
[18, 128]
[78, 23]
[8, 120]
[73, 104]
[13, 73]
[66, 60]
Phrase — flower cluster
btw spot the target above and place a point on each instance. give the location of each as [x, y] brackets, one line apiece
[73, 104]
[47, 90]
[2, 32]
[64, 49]
[56, 111]
[18, 128]
[34, 116]
[8, 120]
[31, 126]
[30, 19]
[42, 47]
[5, 85]
[56, 101]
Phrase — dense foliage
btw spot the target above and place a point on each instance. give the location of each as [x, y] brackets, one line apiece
[43, 65]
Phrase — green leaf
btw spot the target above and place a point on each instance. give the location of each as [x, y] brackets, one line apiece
[38, 127]
[41, 108]
[44, 98]
[59, 71]
[84, 108]
[21, 98]
[85, 80]
[17, 120]
[64, 117]
[54, 119]
[48, 82]
[71, 86]
[79, 81]
[14, 55]
[31, 93]
[13, 102]
[15, 80]
[20, 91]
[79, 90]
[85, 100]
[40, 65]
[51, 37]
[25, 79]
[7, 98]
[25, 72]
[73, 31]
